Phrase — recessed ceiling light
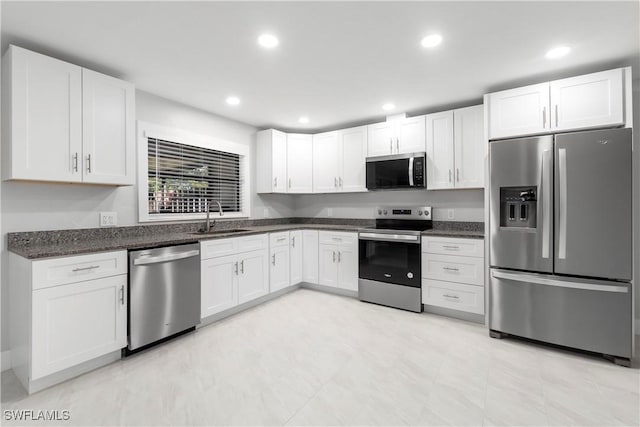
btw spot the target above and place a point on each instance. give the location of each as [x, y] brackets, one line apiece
[432, 40]
[388, 106]
[233, 100]
[303, 120]
[268, 40]
[558, 52]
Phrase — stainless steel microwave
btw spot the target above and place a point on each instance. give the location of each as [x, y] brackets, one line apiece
[396, 172]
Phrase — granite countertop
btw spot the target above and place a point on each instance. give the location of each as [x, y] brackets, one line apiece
[47, 244]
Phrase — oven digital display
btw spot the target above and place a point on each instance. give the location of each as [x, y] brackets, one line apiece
[401, 211]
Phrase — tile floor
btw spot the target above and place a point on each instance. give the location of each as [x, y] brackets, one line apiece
[310, 358]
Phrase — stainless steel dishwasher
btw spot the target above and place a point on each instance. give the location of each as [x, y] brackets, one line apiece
[164, 293]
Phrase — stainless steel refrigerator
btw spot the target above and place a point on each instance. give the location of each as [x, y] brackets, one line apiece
[561, 240]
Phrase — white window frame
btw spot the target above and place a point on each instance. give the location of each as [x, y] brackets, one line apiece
[149, 130]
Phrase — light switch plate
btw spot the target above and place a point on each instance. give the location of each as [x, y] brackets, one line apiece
[108, 219]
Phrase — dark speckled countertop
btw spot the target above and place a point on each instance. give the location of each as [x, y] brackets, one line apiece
[46, 244]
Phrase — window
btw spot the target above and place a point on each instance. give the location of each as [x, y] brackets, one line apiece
[182, 173]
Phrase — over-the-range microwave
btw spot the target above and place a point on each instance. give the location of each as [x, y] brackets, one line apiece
[396, 172]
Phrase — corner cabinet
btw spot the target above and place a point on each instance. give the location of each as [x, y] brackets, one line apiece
[583, 102]
[401, 136]
[455, 149]
[64, 123]
[66, 312]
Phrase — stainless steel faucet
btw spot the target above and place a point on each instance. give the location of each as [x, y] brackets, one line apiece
[207, 227]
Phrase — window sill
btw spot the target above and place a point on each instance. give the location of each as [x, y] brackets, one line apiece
[194, 217]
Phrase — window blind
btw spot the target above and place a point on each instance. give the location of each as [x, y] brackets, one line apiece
[182, 178]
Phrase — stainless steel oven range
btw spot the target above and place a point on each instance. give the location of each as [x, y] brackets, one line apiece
[389, 257]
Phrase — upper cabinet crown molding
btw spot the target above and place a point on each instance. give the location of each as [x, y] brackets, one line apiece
[593, 100]
[64, 123]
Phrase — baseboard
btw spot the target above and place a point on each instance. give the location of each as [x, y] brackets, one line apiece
[5, 359]
[330, 289]
[462, 315]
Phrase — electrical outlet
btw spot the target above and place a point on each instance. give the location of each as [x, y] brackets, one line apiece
[450, 213]
[265, 213]
[108, 219]
[329, 211]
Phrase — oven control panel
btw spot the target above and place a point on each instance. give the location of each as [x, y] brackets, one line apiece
[395, 212]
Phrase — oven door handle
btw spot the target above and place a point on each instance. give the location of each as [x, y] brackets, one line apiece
[390, 237]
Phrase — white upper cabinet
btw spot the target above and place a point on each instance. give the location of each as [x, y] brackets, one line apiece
[339, 160]
[582, 102]
[271, 162]
[521, 111]
[399, 136]
[440, 151]
[326, 166]
[588, 101]
[469, 146]
[65, 123]
[455, 149]
[299, 163]
[108, 129]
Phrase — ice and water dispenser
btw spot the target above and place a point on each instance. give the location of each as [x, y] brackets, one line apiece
[518, 206]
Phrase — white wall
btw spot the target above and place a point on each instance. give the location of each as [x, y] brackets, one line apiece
[39, 206]
[468, 205]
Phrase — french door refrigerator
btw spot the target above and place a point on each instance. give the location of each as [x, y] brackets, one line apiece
[561, 240]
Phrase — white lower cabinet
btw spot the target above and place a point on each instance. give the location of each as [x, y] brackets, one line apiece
[279, 260]
[453, 273]
[295, 257]
[65, 312]
[310, 256]
[229, 280]
[338, 260]
[77, 322]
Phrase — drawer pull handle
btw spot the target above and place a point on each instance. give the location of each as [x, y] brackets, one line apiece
[451, 247]
[91, 267]
[281, 239]
[337, 239]
[451, 296]
[450, 269]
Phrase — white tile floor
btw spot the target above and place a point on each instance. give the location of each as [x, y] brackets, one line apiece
[310, 358]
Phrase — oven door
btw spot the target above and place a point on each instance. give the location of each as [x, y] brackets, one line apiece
[390, 258]
[395, 172]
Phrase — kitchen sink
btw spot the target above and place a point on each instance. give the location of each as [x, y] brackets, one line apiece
[216, 232]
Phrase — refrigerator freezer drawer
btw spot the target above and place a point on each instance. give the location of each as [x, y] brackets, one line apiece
[580, 313]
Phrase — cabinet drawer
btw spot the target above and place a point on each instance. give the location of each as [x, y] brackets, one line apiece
[58, 271]
[453, 295]
[458, 269]
[453, 246]
[218, 247]
[338, 238]
[278, 239]
[252, 243]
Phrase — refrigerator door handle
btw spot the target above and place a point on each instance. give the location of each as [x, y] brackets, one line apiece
[546, 202]
[529, 278]
[562, 196]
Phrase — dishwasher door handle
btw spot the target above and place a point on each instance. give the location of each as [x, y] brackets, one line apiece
[165, 258]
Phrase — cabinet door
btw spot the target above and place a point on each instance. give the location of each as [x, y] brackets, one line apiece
[253, 276]
[328, 265]
[353, 151]
[219, 278]
[78, 322]
[310, 256]
[299, 163]
[326, 167]
[46, 118]
[589, 101]
[381, 139]
[279, 162]
[440, 150]
[410, 135]
[521, 111]
[469, 143]
[295, 257]
[108, 120]
[348, 267]
[279, 268]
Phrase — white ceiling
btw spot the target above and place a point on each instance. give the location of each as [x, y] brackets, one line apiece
[337, 62]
